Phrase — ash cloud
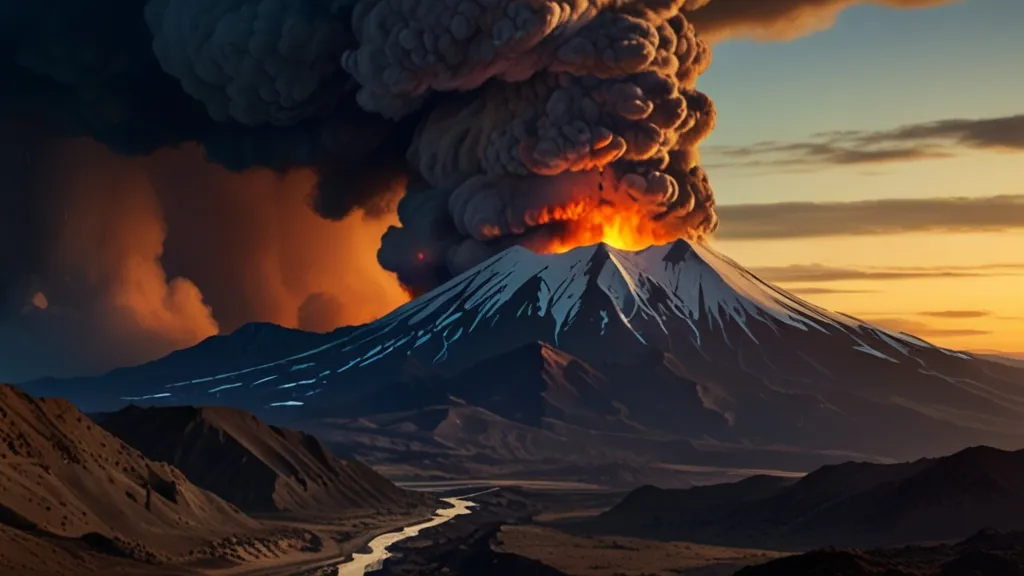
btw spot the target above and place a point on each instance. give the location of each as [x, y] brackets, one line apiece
[511, 121]
[100, 297]
[144, 256]
[505, 122]
[571, 106]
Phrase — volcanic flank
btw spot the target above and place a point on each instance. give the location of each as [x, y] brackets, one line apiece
[598, 358]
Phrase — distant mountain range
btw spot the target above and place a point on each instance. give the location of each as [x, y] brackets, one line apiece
[628, 364]
[854, 504]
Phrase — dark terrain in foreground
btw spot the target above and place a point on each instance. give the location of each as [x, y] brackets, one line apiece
[509, 536]
[76, 500]
[987, 553]
[505, 537]
[853, 504]
[257, 467]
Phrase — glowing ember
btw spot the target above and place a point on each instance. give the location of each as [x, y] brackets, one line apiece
[39, 301]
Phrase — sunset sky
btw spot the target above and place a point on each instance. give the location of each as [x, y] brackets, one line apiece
[868, 156]
[905, 128]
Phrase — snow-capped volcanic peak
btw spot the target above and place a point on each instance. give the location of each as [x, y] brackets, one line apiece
[698, 282]
[704, 282]
[682, 291]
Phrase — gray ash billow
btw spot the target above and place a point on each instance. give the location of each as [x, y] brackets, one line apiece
[510, 120]
[529, 108]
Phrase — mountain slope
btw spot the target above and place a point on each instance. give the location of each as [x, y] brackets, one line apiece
[257, 467]
[676, 349]
[68, 487]
[852, 504]
[988, 552]
[253, 343]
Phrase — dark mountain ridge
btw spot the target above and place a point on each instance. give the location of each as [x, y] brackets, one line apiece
[74, 498]
[670, 355]
[252, 343]
[257, 467]
[852, 505]
[987, 553]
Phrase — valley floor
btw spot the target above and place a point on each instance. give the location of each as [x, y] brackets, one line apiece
[277, 548]
[614, 556]
[519, 531]
[337, 543]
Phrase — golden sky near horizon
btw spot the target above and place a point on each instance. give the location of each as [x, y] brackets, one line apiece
[954, 290]
[876, 168]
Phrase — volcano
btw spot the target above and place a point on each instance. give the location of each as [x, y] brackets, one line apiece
[667, 357]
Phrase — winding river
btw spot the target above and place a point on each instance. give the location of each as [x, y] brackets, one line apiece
[362, 563]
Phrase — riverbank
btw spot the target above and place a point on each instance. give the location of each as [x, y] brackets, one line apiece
[353, 557]
[338, 543]
[373, 559]
[508, 536]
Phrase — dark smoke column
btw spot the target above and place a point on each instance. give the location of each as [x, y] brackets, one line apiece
[537, 116]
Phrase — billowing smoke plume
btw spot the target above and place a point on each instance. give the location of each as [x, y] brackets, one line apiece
[512, 119]
[546, 123]
[559, 108]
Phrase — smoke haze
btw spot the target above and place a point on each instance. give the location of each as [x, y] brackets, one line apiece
[176, 168]
[115, 287]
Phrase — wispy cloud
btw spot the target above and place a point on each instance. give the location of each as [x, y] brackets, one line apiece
[956, 314]
[890, 216]
[815, 273]
[1004, 133]
[922, 329]
[820, 291]
[778, 19]
[912, 142]
[1012, 358]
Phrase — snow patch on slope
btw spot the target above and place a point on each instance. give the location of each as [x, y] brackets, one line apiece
[688, 281]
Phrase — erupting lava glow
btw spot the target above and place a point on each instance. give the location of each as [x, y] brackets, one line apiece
[629, 229]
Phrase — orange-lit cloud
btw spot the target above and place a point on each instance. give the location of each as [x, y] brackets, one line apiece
[780, 20]
[258, 252]
[923, 329]
[811, 273]
[889, 216]
[956, 314]
[150, 255]
[821, 291]
[107, 298]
